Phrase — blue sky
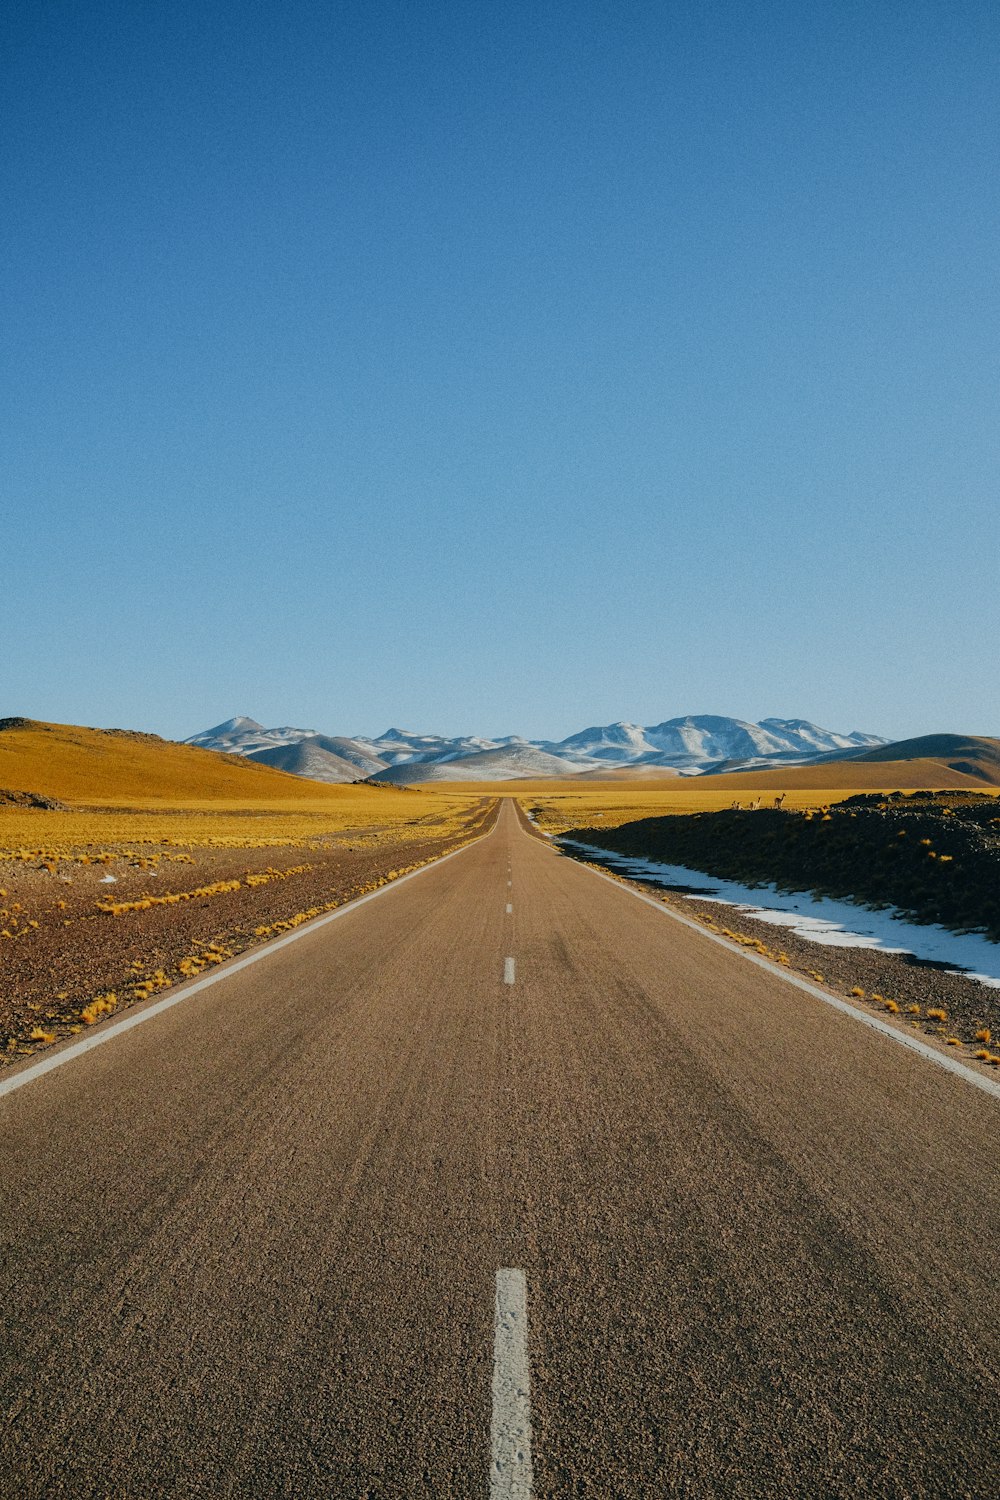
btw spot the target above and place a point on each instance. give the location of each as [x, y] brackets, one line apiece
[500, 368]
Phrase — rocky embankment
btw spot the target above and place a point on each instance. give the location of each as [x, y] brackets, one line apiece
[935, 856]
[10, 798]
[852, 849]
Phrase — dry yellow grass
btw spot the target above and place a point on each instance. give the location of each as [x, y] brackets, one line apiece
[576, 803]
[137, 794]
[136, 807]
[108, 768]
[558, 805]
[58, 835]
[864, 776]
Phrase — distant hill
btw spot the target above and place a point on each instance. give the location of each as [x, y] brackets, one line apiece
[75, 764]
[942, 762]
[975, 756]
[319, 758]
[646, 773]
[114, 766]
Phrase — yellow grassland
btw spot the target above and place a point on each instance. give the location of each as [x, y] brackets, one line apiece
[868, 776]
[160, 833]
[150, 797]
[609, 804]
[558, 805]
[103, 768]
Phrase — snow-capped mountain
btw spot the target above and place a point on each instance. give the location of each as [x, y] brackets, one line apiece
[710, 738]
[243, 736]
[399, 745]
[321, 757]
[610, 742]
[695, 745]
[807, 735]
[499, 763]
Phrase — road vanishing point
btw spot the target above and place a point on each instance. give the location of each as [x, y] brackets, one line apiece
[504, 1184]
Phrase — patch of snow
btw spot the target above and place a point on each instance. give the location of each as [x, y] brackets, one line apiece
[818, 919]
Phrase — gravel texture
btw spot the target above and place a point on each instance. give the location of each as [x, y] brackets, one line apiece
[890, 984]
[65, 962]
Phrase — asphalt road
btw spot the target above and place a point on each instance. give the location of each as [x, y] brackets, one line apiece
[251, 1247]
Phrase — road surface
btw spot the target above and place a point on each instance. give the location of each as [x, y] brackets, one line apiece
[251, 1248]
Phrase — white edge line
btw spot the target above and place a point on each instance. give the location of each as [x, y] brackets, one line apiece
[511, 1476]
[951, 1064]
[183, 992]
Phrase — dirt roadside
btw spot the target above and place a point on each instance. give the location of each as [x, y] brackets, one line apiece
[918, 996]
[83, 939]
[947, 1008]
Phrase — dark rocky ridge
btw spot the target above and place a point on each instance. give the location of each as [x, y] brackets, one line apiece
[9, 798]
[935, 856]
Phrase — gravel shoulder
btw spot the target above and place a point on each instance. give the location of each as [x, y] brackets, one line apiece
[85, 937]
[914, 995]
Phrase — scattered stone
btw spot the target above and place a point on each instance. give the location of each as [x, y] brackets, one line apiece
[10, 798]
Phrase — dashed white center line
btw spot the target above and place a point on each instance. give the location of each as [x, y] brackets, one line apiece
[510, 1427]
[510, 909]
[508, 971]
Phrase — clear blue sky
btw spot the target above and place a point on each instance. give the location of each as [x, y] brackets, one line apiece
[500, 368]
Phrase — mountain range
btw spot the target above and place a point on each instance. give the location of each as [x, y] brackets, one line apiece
[695, 745]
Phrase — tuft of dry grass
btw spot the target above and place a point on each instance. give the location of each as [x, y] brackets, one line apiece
[101, 1005]
[394, 832]
[172, 898]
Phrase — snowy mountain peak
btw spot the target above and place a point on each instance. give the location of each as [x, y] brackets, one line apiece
[243, 736]
[691, 745]
[810, 736]
[240, 725]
